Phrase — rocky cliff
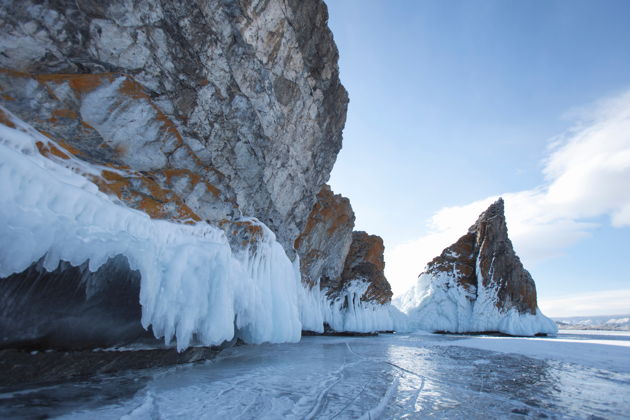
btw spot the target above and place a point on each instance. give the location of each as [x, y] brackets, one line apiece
[223, 116]
[213, 108]
[478, 284]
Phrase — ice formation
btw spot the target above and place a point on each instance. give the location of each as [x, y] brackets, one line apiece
[347, 312]
[193, 285]
[437, 303]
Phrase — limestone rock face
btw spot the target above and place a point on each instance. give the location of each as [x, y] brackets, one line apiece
[478, 284]
[366, 262]
[325, 241]
[204, 110]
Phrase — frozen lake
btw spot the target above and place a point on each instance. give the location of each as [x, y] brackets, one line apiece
[576, 375]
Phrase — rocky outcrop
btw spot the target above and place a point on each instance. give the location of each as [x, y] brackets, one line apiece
[325, 241]
[366, 262]
[478, 284]
[333, 255]
[196, 110]
[485, 258]
[342, 272]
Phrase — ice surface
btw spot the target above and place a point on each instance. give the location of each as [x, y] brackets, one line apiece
[596, 350]
[437, 302]
[193, 285]
[386, 377]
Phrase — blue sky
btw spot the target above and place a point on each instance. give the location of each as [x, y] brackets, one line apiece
[453, 103]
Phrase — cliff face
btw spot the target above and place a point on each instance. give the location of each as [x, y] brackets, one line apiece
[219, 121]
[478, 284]
[211, 109]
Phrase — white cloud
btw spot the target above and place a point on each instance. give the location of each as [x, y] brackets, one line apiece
[610, 302]
[587, 175]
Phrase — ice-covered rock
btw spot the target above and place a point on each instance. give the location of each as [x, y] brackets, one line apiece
[80, 270]
[193, 287]
[192, 139]
[478, 284]
[342, 272]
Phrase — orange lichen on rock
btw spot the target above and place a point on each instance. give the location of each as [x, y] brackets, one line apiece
[193, 177]
[152, 192]
[251, 228]
[72, 150]
[86, 125]
[64, 113]
[80, 83]
[152, 202]
[48, 149]
[241, 232]
[327, 232]
[4, 119]
[332, 210]
[135, 90]
[366, 261]
[375, 252]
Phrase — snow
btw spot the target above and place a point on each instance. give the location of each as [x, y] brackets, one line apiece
[606, 333]
[437, 302]
[618, 321]
[607, 322]
[194, 287]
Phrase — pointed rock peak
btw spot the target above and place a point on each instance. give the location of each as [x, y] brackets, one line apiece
[478, 284]
[496, 209]
[494, 213]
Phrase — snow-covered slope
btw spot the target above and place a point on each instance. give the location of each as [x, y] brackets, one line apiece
[609, 322]
[194, 286]
[477, 284]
